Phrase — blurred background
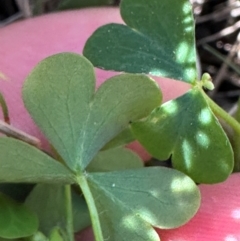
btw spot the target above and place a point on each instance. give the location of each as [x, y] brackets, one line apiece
[217, 36]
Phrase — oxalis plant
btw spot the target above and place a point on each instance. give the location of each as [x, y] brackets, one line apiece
[89, 178]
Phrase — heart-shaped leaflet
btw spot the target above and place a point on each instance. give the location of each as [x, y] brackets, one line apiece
[158, 39]
[187, 129]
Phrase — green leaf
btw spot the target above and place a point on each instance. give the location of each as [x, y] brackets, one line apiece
[158, 40]
[51, 209]
[115, 160]
[16, 220]
[130, 202]
[187, 129]
[20, 162]
[6, 239]
[125, 137]
[59, 94]
[56, 235]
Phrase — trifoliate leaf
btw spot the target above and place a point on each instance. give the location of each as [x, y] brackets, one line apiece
[59, 94]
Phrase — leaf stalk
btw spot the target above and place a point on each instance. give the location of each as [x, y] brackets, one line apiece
[219, 112]
[233, 123]
[82, 182]
[69, 215]
[4, 107]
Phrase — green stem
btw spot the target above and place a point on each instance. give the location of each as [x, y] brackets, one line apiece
[69, 215]
[82, 182]
[233, 123]
[3, 104]
[236, 143]
[236, 148]
[218, 111]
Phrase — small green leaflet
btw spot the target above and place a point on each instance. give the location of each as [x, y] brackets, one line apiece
[51, 209]
[131, 201]
[187, 129]
[60, 96]
[125, 137]
[16, 220]
[115, 159]
[56, 235]
[18, 165]
[158, 40]
[38, 236]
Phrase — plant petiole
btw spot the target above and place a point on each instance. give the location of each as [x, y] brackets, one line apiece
[236, 143]
[233, 123]
[219, 112]
[69, 215]
[82, 182]
[4, 107]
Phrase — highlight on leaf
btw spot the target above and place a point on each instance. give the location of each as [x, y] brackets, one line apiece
[129, 199]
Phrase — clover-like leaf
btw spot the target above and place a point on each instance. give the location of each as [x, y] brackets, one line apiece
[158, 40]
[187, 129]
[16, 220]
[115, 159]
[130, 202]
[59, 94]
[20, 162]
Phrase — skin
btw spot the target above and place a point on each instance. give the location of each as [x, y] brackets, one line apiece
[25, 43]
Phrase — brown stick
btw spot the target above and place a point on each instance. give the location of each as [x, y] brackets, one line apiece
[18, 134]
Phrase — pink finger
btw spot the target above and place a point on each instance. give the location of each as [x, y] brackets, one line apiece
[218, 218]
